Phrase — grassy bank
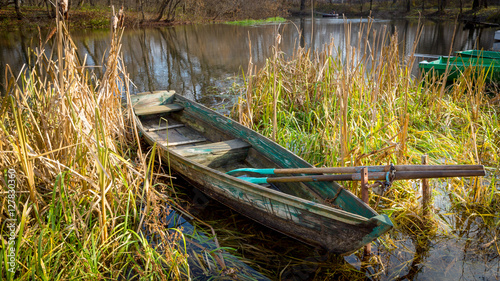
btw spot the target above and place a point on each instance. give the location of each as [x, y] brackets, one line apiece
[78, 200]
[361, 106]
[256, 22]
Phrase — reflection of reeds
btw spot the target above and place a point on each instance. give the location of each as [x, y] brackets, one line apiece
[361, 106]
[79, 194]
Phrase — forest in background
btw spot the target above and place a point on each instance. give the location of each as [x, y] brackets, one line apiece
[97, 13]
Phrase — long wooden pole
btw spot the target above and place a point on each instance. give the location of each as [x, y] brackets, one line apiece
[365, 197]
[426, 191]
[381, 176]
[386, 168]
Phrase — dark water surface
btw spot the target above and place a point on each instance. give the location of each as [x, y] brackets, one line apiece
[202, 61]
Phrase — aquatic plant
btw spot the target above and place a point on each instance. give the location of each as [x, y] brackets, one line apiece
[78, 182]
[360, 105]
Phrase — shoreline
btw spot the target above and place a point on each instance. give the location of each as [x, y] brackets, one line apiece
[98, 17]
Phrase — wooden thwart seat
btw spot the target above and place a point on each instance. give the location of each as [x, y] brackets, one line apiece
[184, 142]
[165, 128]
[156, 109]
[215, 154]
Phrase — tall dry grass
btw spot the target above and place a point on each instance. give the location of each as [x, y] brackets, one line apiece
[361, 105]
[84, 201]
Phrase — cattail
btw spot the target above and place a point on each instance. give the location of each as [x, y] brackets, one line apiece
[121, 16]
[114, 22]
[63, 8]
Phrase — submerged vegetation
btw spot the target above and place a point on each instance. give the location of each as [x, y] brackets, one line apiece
[360, 105]
[80, 198]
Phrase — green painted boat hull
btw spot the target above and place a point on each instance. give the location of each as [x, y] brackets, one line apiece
[299, 210]
[479, 54]
[463, 65]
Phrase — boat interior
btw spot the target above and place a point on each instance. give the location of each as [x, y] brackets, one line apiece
[193, 138]
[174, 128]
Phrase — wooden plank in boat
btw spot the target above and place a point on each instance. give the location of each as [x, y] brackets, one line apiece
[185, 142]
[156, 109]
[217, 153]
[153, 123]
[177, 136]
[165, 128]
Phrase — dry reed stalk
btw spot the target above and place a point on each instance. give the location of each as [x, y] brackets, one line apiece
[363, 107]
[249, 88]
[69, 137]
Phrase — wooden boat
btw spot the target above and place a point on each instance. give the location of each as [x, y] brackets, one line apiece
[458, 65]
[479, 54]
[203, 145]
[330, 15]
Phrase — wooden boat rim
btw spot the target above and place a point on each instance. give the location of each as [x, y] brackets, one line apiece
[317, 208]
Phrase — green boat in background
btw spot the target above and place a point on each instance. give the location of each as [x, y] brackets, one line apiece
[460, 65]
[479, 54]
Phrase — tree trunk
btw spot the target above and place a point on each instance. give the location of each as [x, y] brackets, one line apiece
[408, 5]
[169, 6]
[49, 9]
[475, 4]
[17, 5]
[162, 9]
[302, 5]
[171, 10]
[441, 5]
[141, 9]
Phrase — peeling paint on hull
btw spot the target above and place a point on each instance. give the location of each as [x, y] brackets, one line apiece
[306, 219]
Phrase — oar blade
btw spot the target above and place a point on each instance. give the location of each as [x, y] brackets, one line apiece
[266, 171]
[253, 179]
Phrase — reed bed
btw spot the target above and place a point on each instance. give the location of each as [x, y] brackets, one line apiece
[361, 105]
[82, 187]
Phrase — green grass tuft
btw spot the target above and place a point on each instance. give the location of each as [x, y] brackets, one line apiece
[247, 22]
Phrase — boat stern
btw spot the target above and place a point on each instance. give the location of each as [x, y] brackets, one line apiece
[381, 224]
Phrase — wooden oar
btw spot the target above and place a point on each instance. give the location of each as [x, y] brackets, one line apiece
[350, 170]
[402, 175]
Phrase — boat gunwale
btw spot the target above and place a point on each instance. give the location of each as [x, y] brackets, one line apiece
[285, 198]
[298, 202]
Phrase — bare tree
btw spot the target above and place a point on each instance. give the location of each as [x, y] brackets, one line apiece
[478, 3]
[17, 4]
[441, 5]
[168, 7]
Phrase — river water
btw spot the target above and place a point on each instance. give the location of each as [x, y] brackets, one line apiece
[202, 61]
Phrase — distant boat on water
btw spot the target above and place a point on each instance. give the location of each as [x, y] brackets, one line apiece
[328, 15]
